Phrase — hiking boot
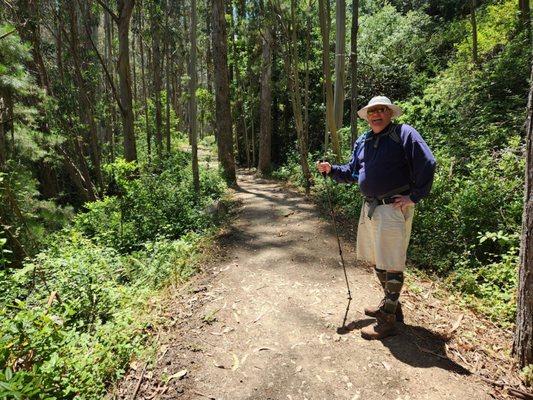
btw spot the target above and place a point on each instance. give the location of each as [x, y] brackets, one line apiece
[374, 311]
[385, 326]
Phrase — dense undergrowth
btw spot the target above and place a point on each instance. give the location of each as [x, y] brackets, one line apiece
[73, 316]
[467, 230]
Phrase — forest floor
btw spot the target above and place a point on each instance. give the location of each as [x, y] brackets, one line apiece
[260, 321]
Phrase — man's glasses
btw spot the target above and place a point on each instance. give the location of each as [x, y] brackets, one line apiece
[379, 110]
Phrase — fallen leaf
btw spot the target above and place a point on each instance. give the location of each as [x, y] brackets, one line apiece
[216, 364]
[235, 362]
[386, 365]
[178, 375]
[299, 368]
[456, 324]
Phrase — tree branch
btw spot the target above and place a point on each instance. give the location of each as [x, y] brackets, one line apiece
[109, 11]
[8, 33]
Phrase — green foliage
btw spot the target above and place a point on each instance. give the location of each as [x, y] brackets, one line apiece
[527, 375]
[151, 205]
[75, 314]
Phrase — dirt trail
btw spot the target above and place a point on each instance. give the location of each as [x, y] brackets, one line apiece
[262, 324]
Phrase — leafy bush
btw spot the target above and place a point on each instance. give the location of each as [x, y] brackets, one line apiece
[75, 314]
[151, 205]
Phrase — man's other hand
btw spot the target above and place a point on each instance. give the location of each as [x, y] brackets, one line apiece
[402, 202]
[323, 167]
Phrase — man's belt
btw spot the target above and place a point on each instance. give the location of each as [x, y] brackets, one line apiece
[388, 198]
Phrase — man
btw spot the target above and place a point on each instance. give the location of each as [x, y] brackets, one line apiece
[394, 169]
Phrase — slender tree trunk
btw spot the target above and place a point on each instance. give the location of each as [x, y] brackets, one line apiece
[525, 17]
[475, 59]
[353, 72]
[330, 113]
[223, 110]
[265, 114]
[86, 109]
[192, 99]
[167, 78]
[308, 30]
[340, 49]
[125, 8]
[145, 104]
[523, 339]
[156, 64]
[3, 147]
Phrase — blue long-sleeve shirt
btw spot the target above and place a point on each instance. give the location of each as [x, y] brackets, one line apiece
[382, 168]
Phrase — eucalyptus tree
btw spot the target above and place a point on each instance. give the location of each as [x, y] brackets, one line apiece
[265, 105]
[353, 71]
[330, 111]
[340, 48]
[193, 135]
[222, 94]
[523, 339]
[125, 102]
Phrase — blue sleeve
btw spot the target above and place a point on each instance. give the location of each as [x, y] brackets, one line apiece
[421, 162]
[347, 173]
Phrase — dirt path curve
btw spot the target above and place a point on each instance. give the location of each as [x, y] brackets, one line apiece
[262, 324]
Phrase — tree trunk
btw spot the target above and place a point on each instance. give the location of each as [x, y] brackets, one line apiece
[223, 110]
[330, 114]
[125, 8]
[156, 65]
[192, 99]
[353, 72]
[340, 49]
[474, 32]
[265, 114]
[86, 109]
[525, 17]
[523, 339]
[167, 78]
[145, 103]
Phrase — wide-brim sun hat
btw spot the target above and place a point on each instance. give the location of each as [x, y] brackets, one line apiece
[380, 101]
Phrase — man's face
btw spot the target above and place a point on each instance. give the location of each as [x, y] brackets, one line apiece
[379, 117]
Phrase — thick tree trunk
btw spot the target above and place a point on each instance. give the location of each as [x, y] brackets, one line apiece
[192, 99]
[265, 114]
[125, 8]
[340, 49]
[223, 110]
[330, 112]
[523, 340]
[353, 72]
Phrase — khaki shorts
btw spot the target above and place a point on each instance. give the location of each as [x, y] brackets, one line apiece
[382, 241]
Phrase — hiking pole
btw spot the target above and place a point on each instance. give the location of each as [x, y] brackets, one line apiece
[343, 328]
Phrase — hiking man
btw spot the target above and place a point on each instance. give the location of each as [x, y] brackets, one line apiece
[394, 169]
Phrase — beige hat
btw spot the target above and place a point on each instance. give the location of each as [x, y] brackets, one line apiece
[380, 101]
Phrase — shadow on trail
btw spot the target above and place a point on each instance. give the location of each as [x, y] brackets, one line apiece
[416, 346]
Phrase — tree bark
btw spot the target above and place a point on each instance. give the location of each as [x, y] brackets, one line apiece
[330, 113]
[223, 110]
[167, 77]
[86, 109]
[340, 49]
[353, 72]
[125, 9]
[156, 65]
[523, 339]
[192, 99]
[265, 114]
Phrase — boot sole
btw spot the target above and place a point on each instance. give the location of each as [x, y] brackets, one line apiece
[371, 337]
